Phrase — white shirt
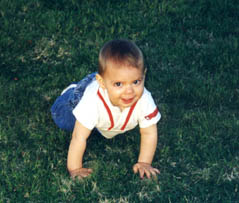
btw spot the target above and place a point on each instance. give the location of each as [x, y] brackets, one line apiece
[96, 110]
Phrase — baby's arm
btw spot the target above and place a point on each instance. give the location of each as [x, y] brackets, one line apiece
[76, 152]
[149, 137]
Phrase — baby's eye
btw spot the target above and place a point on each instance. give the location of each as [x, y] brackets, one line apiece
[118, 84]
[137, 82]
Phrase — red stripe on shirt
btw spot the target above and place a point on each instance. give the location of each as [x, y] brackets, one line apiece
[152, 115]
[108, 110]
[128, 116]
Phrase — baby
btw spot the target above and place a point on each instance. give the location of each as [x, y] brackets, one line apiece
[113, 101]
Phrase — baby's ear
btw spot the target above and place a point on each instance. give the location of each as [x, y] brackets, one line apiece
[100, 81]
[145, 71]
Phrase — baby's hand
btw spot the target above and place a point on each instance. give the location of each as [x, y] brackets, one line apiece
[145, 169]
[80, 173]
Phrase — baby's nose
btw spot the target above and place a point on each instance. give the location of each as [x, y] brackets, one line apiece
[129, 89]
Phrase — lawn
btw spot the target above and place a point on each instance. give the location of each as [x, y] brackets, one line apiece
[192, 54]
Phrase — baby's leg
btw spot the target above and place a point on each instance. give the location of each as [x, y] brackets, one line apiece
[62, 108]
[61, 111]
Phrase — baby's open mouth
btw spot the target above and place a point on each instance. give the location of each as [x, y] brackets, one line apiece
[128, 101]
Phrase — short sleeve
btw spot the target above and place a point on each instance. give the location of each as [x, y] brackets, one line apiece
[86, 111]
[149, 113]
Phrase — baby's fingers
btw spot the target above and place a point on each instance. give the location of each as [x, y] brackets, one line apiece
[155, 171]
[80, 173]
[85, 172]
[143, 171]
[148, 174]
[135, 168]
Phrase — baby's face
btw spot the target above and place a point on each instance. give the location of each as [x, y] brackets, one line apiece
[124, 84]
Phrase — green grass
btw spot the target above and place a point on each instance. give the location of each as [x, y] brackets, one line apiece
[192, 54]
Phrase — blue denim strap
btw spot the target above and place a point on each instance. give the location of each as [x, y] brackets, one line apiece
[80, 88]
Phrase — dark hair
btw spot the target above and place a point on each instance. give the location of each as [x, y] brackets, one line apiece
[120, 51]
